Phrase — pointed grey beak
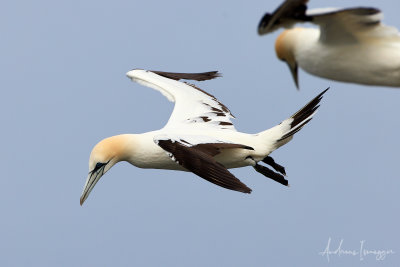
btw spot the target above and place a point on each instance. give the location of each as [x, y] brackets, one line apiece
[91, 181]
[293, 70]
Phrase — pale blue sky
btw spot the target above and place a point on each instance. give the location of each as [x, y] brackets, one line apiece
[64, 88]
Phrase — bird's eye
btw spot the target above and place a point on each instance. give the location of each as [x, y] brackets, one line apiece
[98, 166]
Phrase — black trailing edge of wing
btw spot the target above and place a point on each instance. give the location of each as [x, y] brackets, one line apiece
[201, 76]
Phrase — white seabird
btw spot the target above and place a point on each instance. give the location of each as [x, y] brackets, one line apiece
[199, 137]
[350, 45]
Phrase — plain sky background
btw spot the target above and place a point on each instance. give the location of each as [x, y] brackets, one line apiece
[64, 88]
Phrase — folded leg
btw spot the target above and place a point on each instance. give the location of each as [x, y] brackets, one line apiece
[271, 174]
[270, 161]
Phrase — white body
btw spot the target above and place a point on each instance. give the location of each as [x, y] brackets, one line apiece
[150, 155]
[199, 137]
[375, 61]
[184, 123]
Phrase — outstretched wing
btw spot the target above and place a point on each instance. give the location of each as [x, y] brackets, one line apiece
[350, 25]
[193, 106]
[198, 158]
[337, 25]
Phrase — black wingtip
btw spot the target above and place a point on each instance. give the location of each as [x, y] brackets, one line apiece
[245, 190]
[284, 16]
[262, 26]
[201, 76]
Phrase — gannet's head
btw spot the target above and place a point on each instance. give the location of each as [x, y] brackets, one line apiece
[104, 155]
[284, 48]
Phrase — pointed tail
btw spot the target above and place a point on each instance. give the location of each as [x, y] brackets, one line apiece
[283, 133]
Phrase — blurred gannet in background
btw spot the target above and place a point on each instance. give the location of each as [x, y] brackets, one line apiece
[351, 45]
[199, 137]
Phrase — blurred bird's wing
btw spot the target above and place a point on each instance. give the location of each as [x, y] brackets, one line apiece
[351, 25]
[336, 25]
[285, 16]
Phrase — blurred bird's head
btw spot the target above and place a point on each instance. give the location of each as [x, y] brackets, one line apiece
[104, 155]
[284, 48]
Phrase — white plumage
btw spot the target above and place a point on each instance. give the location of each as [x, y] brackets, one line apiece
[199, 137]
[349, 45]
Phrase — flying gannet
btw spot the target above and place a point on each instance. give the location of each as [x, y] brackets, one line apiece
[199, 137]
[350, 45]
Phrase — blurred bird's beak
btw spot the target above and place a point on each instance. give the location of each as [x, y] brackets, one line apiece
[91, 181]
[293, 69]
